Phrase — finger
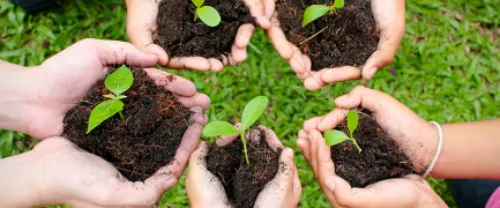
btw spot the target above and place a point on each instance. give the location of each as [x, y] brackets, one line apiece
[297, 62]
[314, 82]
[197, 99]
[254, 135]
[269, 8]
[257, 10]
[188, 144]
[238, 55]
[215, 65]
[367, 98]
[126, 193]
[325, 165]
[225, 140]
[197, 63]
[197, 160]
[339, 74]
[278, 39]
[332, 119]
[172, 83]
[271, 138]
[116, 52]
[312, 123]
[158, 51]
[244, 35]
[315, 138]
[303, 145]
[390, 21]
[275, 192]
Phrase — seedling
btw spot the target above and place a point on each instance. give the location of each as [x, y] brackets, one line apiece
[117, 82]
[314, 12]
[207, 14]
[334, 137]
[253, 110]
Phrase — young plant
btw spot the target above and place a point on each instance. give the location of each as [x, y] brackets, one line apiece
[334, 137]
[207, 14]
[314, 12]
[253, 110]
[117, 82]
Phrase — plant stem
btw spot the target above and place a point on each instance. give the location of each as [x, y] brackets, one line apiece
[196, 15]
[242, 137]
[356, 144]
[121, 115]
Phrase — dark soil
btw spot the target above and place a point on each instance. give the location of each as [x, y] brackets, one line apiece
[142, 143]
[241, 182]
[379, 159]
[349, 39]
[181, 36]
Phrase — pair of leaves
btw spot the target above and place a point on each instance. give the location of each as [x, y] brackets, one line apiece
[253, 110]
[207, 14]
[117, 82]
[314, 12]
[334, 137]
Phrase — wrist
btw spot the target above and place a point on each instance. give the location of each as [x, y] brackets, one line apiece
[23, 182]
[16, 96]
[430, 140]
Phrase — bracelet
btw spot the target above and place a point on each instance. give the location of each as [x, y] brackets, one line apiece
[439, 148]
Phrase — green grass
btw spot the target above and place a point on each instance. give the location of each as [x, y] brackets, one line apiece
[447, 70]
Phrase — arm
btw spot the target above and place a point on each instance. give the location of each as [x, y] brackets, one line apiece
[470, 150]
[16, 84]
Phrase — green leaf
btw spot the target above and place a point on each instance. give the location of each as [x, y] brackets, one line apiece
[102, 112]
[352, 121]
[198, 3]
[120, 80]
[209, 15]
[110, 96]
[253, 110]
[338, 4]
[314, 12]
[219, 128]
[333, 137]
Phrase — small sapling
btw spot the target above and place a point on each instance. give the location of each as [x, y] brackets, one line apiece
[314, 12]
[117, 82]
[334, 137]
[207, 14]
[253, 110]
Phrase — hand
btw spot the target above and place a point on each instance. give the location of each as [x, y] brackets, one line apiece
[61, 173]
[410, 191]
[390, 21]
[141, 25]
[409, 131]
[205, 190]
[63, 80]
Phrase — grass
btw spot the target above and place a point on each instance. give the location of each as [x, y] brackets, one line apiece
[447, 70]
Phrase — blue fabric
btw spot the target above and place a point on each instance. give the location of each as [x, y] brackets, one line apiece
[32, 6]
[470, 193]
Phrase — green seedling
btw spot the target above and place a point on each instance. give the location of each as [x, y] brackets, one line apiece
[253, 110]
[314, 12]
[207, 14]
[117, 82]
[334, 137]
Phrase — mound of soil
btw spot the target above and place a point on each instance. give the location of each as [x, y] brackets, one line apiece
[241, 182]
[142, 143]
[348, 39]
[181, 36]
[380, 159]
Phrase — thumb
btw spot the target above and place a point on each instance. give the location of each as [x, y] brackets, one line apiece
[141, 194]
[258, 11]
[116, 52]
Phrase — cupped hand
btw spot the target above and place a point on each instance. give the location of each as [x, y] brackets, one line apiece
[205, 190]
[410, 191]
[70, 175]
[65, 79]
[141, 25]
[390, 22]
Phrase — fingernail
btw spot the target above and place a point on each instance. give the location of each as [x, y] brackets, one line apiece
[342, 98]
[170, 183]
[370, 72]
[330, 185]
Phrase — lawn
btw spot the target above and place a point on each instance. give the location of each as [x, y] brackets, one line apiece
[448, 70]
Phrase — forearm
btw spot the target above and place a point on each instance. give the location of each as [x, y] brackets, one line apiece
[21, 182]
[16, 86]
[470, 150]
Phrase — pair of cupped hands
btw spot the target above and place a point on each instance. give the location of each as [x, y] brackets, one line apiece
[65, 79]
